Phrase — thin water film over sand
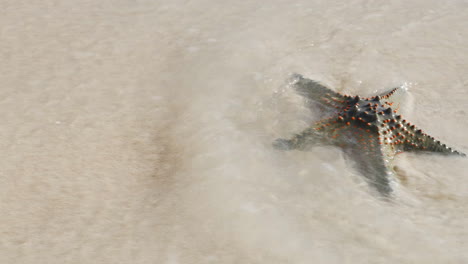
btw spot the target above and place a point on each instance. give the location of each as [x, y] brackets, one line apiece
[141, 131]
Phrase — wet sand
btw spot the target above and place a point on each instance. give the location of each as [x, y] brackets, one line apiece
[140, 132]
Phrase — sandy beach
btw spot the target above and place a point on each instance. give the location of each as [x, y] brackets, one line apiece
[141, 131]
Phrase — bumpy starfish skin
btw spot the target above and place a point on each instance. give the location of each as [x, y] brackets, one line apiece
[370, 131]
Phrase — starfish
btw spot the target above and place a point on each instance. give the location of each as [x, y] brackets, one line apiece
[369, 130]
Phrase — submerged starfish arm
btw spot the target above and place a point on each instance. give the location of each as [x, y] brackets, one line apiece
[375, 164]
[318, 93]
[301, 141]
[323, 132]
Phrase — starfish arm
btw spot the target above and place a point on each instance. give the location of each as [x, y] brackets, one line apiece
[301, 141]
[323, 132]
[394, 92]
[317, 92]
[393, 98]
[402, 136]
[423, 142]
[374, 161]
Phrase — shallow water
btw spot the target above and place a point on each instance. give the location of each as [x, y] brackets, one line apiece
[140, 132]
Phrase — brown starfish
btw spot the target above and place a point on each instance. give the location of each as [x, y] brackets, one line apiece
[370, 131]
